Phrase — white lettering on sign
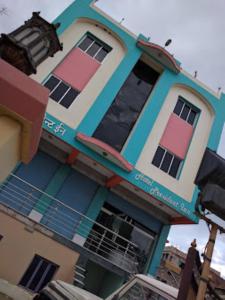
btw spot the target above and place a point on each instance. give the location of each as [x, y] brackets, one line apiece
[57, 128]
[155, 191]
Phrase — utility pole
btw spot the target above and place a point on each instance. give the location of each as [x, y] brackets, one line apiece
[204, 278]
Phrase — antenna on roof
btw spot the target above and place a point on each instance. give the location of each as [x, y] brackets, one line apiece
[121, 20]
[167, 43]
[195, 74]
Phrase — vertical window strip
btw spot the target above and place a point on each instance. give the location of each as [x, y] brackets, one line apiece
[98, 51]
[55, 86]
[188, 114]
[171, 163]
[69, 88]
[164, 154]
[181, 109]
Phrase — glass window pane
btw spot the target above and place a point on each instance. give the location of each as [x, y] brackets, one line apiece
[120, 118]
[158, 157]
[138, 291]
[166, 162]
[85, 43]
[51, 83]
[101, 54]
[191, 117]
[185, 112]
[31, 269]
[178, 107]
[59, 91]
[93, 49]
[174, 167]
[69, 98]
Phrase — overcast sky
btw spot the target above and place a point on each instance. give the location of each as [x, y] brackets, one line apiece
[198, 42]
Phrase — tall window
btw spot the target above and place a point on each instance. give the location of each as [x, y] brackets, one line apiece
[166, 161]
[94, 47]
[176, 138]
[122, 115]
[60, 91]
[74, 72]
[38, 274]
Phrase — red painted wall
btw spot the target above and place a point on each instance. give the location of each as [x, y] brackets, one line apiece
[26, 98]
[177, 136]
[77, 69]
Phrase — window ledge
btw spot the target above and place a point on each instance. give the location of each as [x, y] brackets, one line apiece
[105, 150]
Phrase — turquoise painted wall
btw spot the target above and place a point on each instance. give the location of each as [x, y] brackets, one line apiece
[155, 261]
[93, 211]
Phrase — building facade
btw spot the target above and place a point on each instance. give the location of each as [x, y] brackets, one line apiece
[124, 134]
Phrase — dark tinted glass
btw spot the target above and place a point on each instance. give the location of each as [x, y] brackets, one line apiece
[51, 83]
[48, 277]
[101, 54]
[185, 112]
[31, 269]
[38, 276]
[120, 118]
[69, 97]
[93, 49]
[174, 167]
[166, 162]
[191, 117]
[59, 91]
[178, 107]
[158, 157]
[85, 43]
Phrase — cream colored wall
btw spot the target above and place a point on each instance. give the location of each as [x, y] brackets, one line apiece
[10, 145]
[184, 186]
[18, 247]
[73, 116]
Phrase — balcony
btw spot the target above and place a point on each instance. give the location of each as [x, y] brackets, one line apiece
[23, 198]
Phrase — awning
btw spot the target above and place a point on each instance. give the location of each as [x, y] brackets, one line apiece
[160, 54]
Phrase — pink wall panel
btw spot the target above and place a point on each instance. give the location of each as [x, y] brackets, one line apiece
[177, 136]
[77, 69]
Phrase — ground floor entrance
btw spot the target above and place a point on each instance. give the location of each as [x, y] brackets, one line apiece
[101, 281]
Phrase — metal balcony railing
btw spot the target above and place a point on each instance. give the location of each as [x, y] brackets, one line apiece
[64, 220]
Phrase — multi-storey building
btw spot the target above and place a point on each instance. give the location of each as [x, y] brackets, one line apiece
[171, 270]
[125, 131]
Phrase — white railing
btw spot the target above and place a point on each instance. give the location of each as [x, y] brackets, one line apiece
[23, 197]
